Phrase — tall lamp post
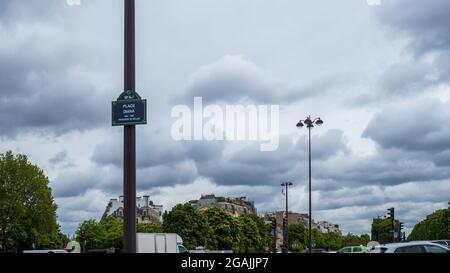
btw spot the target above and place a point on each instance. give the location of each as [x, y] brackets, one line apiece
[129, 158]
[286, 219]
[310, 123]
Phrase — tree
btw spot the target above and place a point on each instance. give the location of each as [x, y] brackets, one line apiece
[191, 225]
[256, 235]
[365, 239]
[381, 230]
[265, 231]
[27, 209]
[107, 233]
[434, 227]
[298, 237]
[226, 229]
[149, 228]
[355, 240]
[333, 241]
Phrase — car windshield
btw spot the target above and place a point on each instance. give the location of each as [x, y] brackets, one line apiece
[411, 249]
[435, 249]
[182, 249]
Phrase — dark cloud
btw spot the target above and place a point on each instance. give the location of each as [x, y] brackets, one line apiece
[405, 79]
[413, 144]
[157, 148]
[385, 167]
[45, 84]
[250, 166]
[12, 11]
[236, 79]
[426, 22]
[424, 27]
[58, 158]
[108, 179]
[419, 126]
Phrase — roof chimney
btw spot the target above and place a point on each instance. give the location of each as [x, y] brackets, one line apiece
[146, 198]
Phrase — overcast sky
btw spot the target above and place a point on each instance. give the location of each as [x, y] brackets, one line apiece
[378, 75]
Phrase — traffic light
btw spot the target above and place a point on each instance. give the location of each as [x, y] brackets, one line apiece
[401, 226]
[391, 213]
[274, 223]
[285, 226]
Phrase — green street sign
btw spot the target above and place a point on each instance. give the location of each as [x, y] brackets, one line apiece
[129, 109]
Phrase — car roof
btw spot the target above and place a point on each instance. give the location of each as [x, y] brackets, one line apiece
[46, 251]
[412, 244]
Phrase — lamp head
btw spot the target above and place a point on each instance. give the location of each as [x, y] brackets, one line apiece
[319, 122]
[308, 122]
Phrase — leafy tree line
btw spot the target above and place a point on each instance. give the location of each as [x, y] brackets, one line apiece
[27, 209]
[107, 233]
[217, 229]
[299, 237]
[214, 229]
[435, 227]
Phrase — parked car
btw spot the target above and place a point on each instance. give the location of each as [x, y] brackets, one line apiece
[414, 247]
[352, 249]
[445, 243]
[377, 249]
[107, 250]
[45, 251]
[316, 250]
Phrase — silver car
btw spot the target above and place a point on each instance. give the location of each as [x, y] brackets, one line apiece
[414, 247]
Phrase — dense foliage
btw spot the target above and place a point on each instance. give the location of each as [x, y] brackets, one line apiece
[381, 229]
[108, 233]
[215, 228]
[435, 227]
[27, 209]
[298, 239]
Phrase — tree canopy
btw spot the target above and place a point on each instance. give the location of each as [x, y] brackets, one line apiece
[381, 229]
[108, 233]
[436, 226]
[27, 209]
[192, 226]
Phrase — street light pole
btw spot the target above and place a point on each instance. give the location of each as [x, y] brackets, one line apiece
[309, 124]
[310, 203]
[129, 155]
[286, 219]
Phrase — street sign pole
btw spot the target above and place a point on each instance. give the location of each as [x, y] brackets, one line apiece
[129, 153]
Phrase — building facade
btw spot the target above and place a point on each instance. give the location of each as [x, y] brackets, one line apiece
[146, 211]
[236, 206]
[327, 227]
[293, 218]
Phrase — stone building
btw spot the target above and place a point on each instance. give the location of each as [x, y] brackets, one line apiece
[146, 211]
[235, 206]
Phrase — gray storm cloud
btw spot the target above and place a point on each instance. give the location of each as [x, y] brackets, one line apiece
[61, 66]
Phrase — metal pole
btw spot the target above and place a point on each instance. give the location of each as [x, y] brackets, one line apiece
[310, 217]
[393, 228]
[448, 220]
[286, 240]
[274, 239]
[129, 154]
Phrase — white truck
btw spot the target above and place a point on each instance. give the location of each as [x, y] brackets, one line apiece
[159, 243]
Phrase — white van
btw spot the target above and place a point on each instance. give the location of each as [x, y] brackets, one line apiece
[159, 243]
